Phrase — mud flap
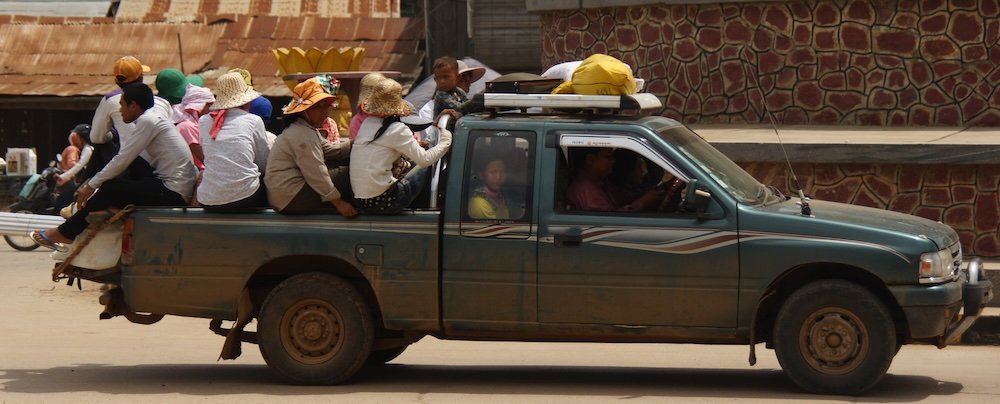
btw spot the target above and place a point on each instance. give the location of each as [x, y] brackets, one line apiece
[244, 313]
[753, 328]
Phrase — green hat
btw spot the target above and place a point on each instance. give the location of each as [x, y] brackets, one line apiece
[196, 79]
[171, 85]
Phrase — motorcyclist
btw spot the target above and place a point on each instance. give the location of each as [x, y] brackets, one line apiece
[67, 181]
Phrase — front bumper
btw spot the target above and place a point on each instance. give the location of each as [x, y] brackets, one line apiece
[941, 313]
[976, 293]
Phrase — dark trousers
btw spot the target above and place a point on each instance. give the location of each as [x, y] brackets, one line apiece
[119, 193]
[255, 201]
[66, 196]
[308, 201]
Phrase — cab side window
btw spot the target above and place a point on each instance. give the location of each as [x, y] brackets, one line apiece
[606, 179]
[499, 171]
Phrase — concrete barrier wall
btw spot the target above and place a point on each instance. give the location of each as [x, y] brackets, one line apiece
[964, 197]
[859, 62]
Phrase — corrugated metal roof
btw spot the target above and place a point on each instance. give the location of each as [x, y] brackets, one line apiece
[40, 56]
[67, 49]
[56, 8]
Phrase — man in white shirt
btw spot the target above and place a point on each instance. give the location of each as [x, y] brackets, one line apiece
[156, 137]
[108, 130]
[236, 149]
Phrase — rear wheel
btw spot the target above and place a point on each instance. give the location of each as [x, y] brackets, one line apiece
[834, 337]
[315, 329]
[21, 243]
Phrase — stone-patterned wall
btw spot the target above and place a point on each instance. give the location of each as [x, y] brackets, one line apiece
[964, 197]
[864, 62]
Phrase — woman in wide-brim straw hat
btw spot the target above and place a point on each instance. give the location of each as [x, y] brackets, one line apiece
[236, 148]
[367, 84]
[297, 177]
[383, 137]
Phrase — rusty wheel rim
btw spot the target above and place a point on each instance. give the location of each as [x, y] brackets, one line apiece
[312, 331]
[833, 341]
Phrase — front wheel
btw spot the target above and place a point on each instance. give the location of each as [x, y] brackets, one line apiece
[315, 329]
[834, 337]
[21, 243]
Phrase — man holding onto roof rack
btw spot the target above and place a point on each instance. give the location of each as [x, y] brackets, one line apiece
[384, 136]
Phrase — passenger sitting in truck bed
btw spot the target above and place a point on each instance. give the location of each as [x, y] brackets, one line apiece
[297, 177]
[236, 149]
[367, 84]
[589, 190]
[154, 136]
[382, 139]
[193, 106]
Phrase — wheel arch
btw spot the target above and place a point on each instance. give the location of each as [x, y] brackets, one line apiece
[269, 275]
[781, 289]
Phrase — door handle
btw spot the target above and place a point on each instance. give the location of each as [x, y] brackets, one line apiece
[568, 240]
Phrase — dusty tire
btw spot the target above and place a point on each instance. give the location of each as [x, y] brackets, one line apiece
[315, 329]
[834, 337]
[381, 357]
[21, 243]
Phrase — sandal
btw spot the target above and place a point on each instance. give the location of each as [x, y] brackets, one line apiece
[39, 237]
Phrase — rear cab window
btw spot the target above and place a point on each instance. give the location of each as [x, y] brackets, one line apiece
[498, 178]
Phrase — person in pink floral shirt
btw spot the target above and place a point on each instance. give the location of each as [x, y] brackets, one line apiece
[195, 103]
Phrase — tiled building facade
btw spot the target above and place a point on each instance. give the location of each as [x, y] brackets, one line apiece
[858, 62]
[819, 62]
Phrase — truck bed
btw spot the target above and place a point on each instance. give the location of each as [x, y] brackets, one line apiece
[189, 262]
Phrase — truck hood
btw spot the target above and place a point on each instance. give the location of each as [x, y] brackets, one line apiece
[840, 219]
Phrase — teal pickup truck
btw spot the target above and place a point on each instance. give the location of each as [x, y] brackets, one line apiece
[718, 258]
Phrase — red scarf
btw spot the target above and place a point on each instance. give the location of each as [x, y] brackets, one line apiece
[218, 118]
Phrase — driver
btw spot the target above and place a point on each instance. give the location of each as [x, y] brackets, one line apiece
[590, 191]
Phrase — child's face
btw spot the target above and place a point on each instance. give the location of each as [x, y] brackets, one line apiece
[446, 78]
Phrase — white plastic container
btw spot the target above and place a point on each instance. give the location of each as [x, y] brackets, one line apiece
[21, 161]
[103, 251]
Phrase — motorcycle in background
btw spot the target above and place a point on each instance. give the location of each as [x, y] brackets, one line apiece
[38, 196]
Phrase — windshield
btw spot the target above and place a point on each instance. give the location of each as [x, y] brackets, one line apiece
[724, 171]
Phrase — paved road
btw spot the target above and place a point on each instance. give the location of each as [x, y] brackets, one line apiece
[53, 349]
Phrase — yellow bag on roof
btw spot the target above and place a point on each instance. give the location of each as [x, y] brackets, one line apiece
[600, 75]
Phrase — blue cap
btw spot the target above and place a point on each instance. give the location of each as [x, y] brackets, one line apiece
[261, 107]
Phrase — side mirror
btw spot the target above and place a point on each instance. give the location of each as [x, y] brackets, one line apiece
[697, 198]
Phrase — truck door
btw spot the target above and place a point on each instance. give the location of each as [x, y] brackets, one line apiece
[488, 277]
[626, 265]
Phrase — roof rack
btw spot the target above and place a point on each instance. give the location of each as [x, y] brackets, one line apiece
[641, 101]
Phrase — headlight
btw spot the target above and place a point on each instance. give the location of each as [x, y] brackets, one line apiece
[935, 266]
